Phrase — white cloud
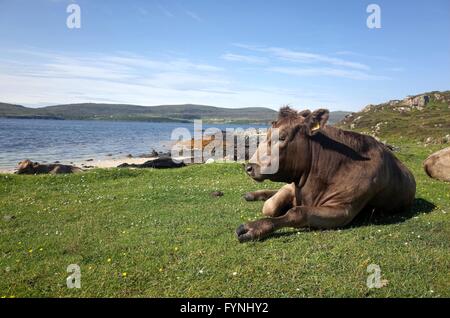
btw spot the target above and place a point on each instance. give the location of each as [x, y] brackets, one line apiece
[333, 72]
[166, 12]
[319, 64]
[303, 57]
[36, 78]
[194, 15]
[244, 58]
[371, 57]
[168, 65]
[38, 91]
[396, 69]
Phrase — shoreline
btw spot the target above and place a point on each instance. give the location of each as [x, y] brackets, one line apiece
[107, 163]
[90, 164]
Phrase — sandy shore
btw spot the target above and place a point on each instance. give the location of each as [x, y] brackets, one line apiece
[109, 163]
[96, 163]
[99, 163]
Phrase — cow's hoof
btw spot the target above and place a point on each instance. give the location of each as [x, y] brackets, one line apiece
[255, 230]
[243, 234]
[249, 196]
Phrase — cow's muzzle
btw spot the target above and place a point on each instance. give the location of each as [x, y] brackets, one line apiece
[253, 171]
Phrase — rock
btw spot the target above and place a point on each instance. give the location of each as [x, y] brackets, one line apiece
[377, 127]
[9, 217]
[446, 139]
[160, 163]
[437, 165]
[393, 102]
[90, 159]
[29, 167]
[368, 108]
[217, 194]
[164, 154]
[210, 160]
[154, 153]
[109, 155]
[129, 155]
[417, 101]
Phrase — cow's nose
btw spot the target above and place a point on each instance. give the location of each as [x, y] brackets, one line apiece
[249, 168]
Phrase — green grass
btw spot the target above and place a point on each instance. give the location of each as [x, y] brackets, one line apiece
[171, 238]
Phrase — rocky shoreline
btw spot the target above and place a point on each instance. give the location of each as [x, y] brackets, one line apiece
[162, 159]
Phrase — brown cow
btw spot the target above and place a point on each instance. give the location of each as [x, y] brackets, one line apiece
[332, 176]
[29, 167]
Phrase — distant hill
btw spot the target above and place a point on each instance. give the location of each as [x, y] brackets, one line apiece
[10, 110]
[163, 113]
[424, 117]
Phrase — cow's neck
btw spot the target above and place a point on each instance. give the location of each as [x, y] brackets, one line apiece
[303, 168]
[328, 156]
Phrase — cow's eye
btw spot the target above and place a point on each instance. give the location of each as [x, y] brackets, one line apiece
[283, 138]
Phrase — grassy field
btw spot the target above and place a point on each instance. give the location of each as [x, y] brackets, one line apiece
[153, 233]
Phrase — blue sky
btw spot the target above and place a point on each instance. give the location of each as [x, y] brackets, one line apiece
[226, 53]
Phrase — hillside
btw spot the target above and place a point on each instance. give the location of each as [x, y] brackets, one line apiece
[163, 113]
[179, 113]
[10, 110]
[424, 117]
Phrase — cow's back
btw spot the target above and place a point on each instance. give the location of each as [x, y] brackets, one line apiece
[397, 186]
[360, 169]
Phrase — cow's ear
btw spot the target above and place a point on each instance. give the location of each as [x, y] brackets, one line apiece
[316, 121]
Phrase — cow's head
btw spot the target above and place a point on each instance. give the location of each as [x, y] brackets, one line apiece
[291, 134]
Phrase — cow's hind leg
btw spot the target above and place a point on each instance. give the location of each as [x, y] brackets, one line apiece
[323, 217]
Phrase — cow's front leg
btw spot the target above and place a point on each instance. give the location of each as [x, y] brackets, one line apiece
[260, 195]
[323, 217]
[255, 230]
[281, 202]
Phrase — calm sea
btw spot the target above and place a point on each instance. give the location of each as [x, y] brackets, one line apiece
[74, 140]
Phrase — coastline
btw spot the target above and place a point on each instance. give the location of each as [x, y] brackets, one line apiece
[99, 163]
[86, 144]
[94, 163]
